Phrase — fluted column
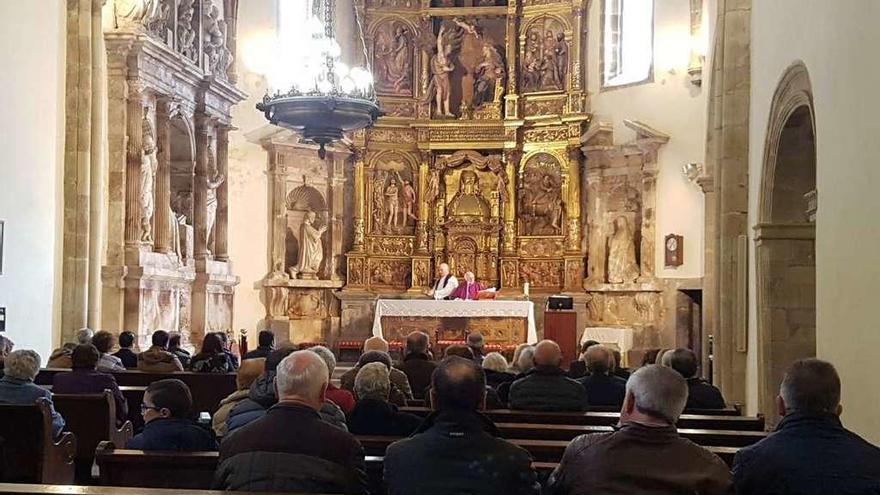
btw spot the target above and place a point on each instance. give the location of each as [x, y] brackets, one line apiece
[200, 188]
[221, 225]
[511, 158]
[162, 214]
[359, 185]
[134, 155]
[573, 202]
[277, 198]
[424, 207]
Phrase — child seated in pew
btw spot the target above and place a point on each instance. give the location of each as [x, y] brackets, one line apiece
[167, 412]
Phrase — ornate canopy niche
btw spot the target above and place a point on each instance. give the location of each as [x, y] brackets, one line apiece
[170, 90]
[306, 237]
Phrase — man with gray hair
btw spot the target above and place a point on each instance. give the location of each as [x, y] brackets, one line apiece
[810, 451]
[291, 449]
[373, 414]
[475, 342]
[603, 388]
[646, 453]
[545, 387]
[417, 364]
[341, 397]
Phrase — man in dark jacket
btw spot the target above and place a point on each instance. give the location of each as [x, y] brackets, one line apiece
[701, 394]
[645, 455]
[167, 409]
[265, 345]
[811, 451]
[290, 449]
[602, 388]
[85, 379]
[128, 357]
[417, 364]
[373, 414]
[457, 449]
[545, 387]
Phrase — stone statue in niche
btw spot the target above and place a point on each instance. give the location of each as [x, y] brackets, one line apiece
[147, 12]
[186, 34]
[393, 53]
[214, 181]
[181, 231]
[489, 76]
[148, 179]
[219, 56]
[546, 58]
[622, 266]
[311, 248]
[540, 203]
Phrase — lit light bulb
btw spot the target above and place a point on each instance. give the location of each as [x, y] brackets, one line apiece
[348, 85]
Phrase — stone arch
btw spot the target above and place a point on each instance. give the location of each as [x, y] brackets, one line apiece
[785, 236]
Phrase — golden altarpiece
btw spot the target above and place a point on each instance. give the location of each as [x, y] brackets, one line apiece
[485, 159]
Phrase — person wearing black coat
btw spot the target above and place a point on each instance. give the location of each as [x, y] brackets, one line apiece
[810, 452]
[545, 387]
[128, 357]
[265, 345]
[457, 449]
[373, 414]
[417, 364]
[701, 394]
[167, 409]
[602, 388]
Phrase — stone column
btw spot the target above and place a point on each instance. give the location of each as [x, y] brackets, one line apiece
[359, 185]
[221, 225]
[277, 200]
[336, 178]
[649, 225]
[162, 215]
[424, 208]
[573, 202]
[595, 231]
[200, 188]
[134, 155]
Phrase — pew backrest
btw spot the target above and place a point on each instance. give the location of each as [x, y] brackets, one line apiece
[28, 451]
[138, 468]
[92, 418]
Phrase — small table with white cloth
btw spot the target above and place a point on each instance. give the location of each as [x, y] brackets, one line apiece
[506, 323]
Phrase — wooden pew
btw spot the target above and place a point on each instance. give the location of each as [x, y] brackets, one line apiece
[208, 389]
[720, 438]
[28, 451]
[30, 489]
[92, 418]
[735, 423]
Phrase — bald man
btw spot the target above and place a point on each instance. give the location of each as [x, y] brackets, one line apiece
[445, 285]
[291, 449]
[545, 387]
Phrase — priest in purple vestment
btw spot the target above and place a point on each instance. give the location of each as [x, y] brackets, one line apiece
[468, 290]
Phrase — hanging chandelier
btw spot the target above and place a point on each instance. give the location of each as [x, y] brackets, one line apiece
[323, 97]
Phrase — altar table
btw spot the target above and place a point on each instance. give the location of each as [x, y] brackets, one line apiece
[500, 322]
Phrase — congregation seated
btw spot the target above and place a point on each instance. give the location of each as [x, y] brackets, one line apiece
[603, 389]
[167, 412]
[578, 367]
[212, 358]
[398, 378]
[373, 414]
[6, 346]
[810, 451]
[248, 373]
[523, 361]
[182, 354]
[86, 379]
[61, 357]
[476, 343]
[262, 396]
[157, 359]
[17, 385]
[417, 364]
[265, 345]
[646, 454]
[495, 367]
[465, 352]
[227, 349]
[128, 357]
[342, 398]
[457, 449]
[290, 448]
[545, 387]
[108, 363]
[701, 394]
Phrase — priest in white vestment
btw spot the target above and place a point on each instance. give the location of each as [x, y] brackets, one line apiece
[445, 285]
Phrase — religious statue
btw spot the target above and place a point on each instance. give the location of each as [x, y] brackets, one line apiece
[433, 186]
[219, 57]
[146, 12]
[148, 179]
[214, 181]
[540, 200]
[488, 74]
[441, 66]
[409, 200]
[392, 203]
[181, 231]
[311, 248]
[393, 60]
[378, 201]
[561, 51]
[468, 201]
[186, 34]
[546, 59]
[622, 267]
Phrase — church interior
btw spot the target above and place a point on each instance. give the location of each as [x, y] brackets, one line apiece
[647, 175]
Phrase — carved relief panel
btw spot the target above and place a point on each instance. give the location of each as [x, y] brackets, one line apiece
[393, 56]
[545, 55]
[392, 193]
[540, 204]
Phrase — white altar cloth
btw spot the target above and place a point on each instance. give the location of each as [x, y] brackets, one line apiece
[621, 337]
[456, 309]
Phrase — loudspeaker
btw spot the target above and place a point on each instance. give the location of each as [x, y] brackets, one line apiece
[560, 302]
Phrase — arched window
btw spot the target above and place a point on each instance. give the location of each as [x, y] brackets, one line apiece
[627, 42]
